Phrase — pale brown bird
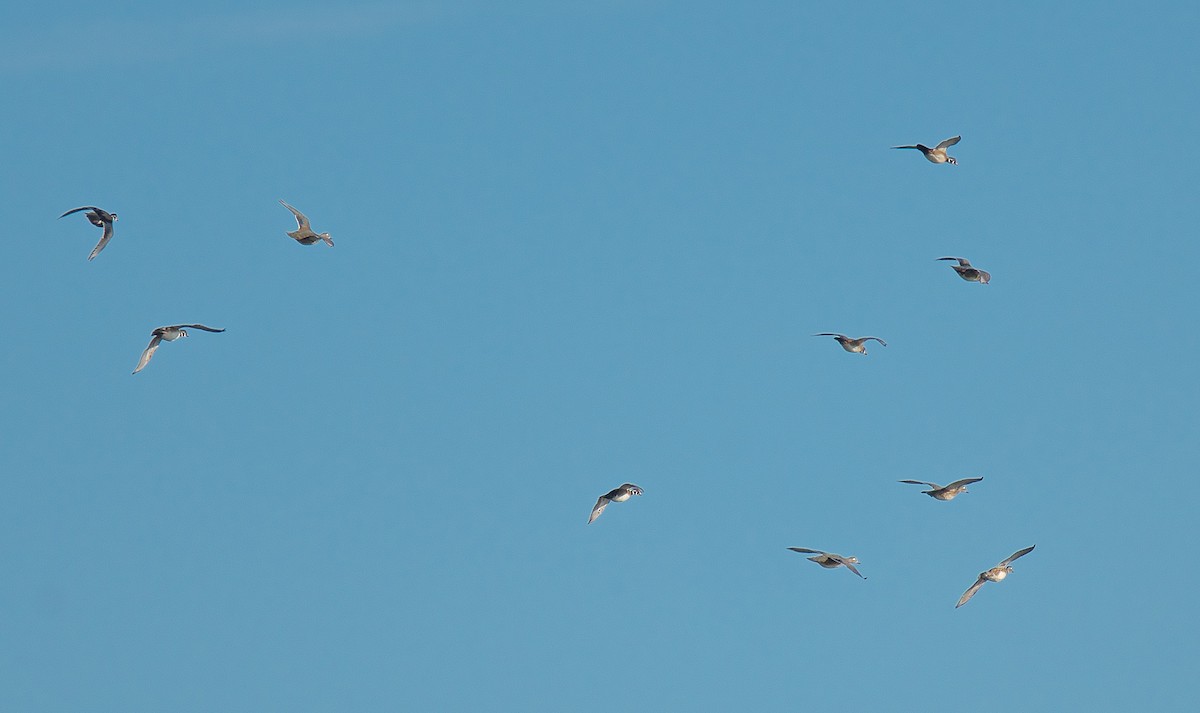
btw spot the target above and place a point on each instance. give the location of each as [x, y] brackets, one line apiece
[995, 574]
[168, 334]
[949, 492]
[616, 495]
[99, 218]
[938, 153]
[968, 272]
[304, 233]
[828, 560]
[851, 345]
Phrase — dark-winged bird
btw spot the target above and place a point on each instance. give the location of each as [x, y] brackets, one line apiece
[304, 233]
[168, 334]
[828, 560]
[948, 492]
[969, 273]
[616, 495]
[99, 218]
[851, 345]
[937, 154]
[995, 574]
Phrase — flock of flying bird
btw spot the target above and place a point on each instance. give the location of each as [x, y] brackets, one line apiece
[104, 220]
[305, 235]
[830, 560]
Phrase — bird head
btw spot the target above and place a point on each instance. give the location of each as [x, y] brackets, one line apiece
[951, 160]
[183, 332]
[114, 217]
[852, 560]
[985, 277]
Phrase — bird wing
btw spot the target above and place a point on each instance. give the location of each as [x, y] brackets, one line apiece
[964, 481]
[831, 334]
[301, 220]
[1017, 555]
[935, 486]
[962, 261]
[949, 142]
[843, 561]
[920, 147]
[599, 508]
[863, 339]
[145, 359]
[196, 326]
[104, 238]
[807, 551]
[76, 210]
[966, 597]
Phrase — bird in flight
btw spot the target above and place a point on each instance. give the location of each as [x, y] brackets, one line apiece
[304, 233]
[828, 560]
[169, 334]
[949, 492]
[937, 154]
[99, 218]
[969, 273]
[995, 574]
[851, 345]
[616, 495]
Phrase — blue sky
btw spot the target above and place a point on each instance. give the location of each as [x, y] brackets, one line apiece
[580, 244]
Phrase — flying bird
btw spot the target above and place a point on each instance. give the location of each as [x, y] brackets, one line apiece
[949, 492]
[829, 560]
[304, 233]
[851, 345]
[616, 495]
[969, 273]
[995, 574]
[169, 334]
[937, 154]
[99, 218]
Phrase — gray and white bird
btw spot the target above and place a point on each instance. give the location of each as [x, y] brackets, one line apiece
[99, 218]
[828, 560]
[851, 345]
[995, 574]
[948, 492]
[968, 272]
[168, 334]
[937, 154]
[616, 495]
[304, 233]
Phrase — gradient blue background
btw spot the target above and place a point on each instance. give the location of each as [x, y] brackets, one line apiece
[578, 244]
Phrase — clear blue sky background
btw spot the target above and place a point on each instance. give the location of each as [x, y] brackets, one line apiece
[578, 244]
